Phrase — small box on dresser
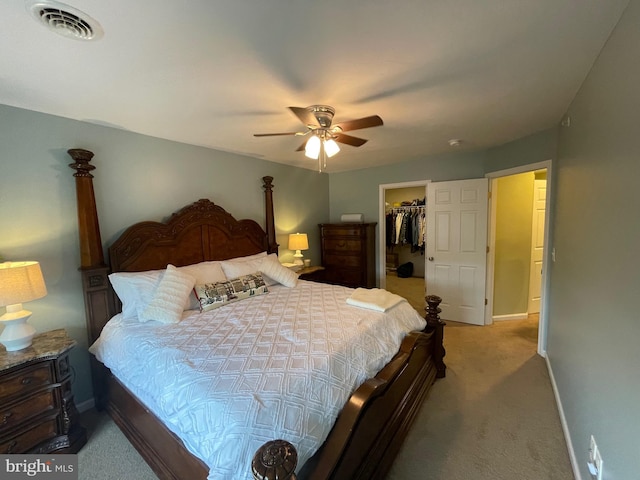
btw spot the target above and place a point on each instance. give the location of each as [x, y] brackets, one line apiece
[37, 412]
[348, 254]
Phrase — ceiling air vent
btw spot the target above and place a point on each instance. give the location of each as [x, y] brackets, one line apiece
[65, 20]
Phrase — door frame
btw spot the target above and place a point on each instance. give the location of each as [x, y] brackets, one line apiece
[382, 230]
[546, 255]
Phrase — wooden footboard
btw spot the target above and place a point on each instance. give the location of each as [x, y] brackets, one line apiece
[370, 429]
[362, 444]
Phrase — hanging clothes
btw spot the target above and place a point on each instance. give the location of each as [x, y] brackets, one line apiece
[406, 225]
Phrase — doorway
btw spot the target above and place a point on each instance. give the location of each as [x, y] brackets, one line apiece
[518, 246]
[399, 247]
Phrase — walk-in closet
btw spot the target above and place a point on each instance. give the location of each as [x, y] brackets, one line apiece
[405, 243]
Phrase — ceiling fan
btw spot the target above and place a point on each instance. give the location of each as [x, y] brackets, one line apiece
[325, 137]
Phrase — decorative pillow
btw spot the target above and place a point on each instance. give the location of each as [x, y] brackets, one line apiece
[136, 289]
[169, 299]
[237, 267]
[271, 268]
[214, 295]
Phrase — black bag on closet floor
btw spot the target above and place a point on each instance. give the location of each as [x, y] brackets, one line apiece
[405, 270]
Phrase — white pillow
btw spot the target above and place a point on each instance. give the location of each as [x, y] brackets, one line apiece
[247, 258]
[271, 268]
[205, 272]
[169, 299]
[136, 289]
[238, 267]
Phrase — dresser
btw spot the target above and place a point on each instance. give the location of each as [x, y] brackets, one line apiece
[37, 412]
[348, 254]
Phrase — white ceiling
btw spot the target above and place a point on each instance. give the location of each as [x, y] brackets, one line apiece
[213, 72]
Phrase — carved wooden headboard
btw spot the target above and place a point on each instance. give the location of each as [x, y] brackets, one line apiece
[198, 232]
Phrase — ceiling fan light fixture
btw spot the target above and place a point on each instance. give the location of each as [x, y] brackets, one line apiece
[312, 148]
[331, 147]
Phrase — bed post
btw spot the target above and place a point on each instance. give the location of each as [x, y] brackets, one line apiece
[436, 325]
[98, 298]
[272, 247]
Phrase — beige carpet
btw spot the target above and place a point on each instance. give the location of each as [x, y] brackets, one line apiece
[411, 288]
[493, 418]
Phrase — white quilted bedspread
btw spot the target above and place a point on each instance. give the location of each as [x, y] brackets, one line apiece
[279, 365]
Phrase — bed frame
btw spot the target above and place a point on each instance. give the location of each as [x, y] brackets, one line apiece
[371, 427]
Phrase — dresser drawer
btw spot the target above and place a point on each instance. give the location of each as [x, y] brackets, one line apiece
[342, 231]
[28, 408]
[29, 439]
[331, 261]
[26, 379]
[342, 245]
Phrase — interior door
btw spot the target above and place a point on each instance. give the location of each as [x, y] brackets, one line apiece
[537, 245]
[456, 257]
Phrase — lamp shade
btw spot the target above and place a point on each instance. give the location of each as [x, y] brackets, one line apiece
[20, 282]
[298, 241]
[312, 148]
[331, 147]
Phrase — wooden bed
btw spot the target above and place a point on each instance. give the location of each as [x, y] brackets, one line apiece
[372, 425]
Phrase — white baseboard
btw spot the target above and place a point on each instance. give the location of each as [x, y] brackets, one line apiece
[86, 405]
[512, 316]
[563, 422]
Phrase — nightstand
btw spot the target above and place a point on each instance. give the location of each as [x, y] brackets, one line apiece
[314, 273]
[37, 413]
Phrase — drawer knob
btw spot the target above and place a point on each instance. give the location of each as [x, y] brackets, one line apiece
[6, 417]
[27, 380]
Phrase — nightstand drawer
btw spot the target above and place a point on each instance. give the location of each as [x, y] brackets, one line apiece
[27, 408]
[25, 380]
[31, 438]
[343, 245]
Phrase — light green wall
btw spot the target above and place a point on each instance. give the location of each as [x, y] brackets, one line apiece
[513, 244]
[534, 148]
[136, 178]
[595, 326]
[358, 190]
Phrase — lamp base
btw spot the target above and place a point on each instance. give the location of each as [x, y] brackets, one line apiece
[17, 333]
[297, 258]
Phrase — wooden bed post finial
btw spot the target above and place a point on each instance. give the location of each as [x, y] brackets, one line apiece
[437, 326]
[275, 460]
[98, 298]
[270, 227]
[91, 254]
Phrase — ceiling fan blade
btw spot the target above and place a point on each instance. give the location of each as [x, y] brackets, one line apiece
[301, 147]
[306, 117]
[275, 134]
[349, 140]
[366, 122]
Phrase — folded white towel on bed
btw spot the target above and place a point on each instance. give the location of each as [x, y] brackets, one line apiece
[374, 299]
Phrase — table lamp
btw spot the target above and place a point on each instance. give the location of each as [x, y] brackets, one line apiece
[298, 242]
[19, 282]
